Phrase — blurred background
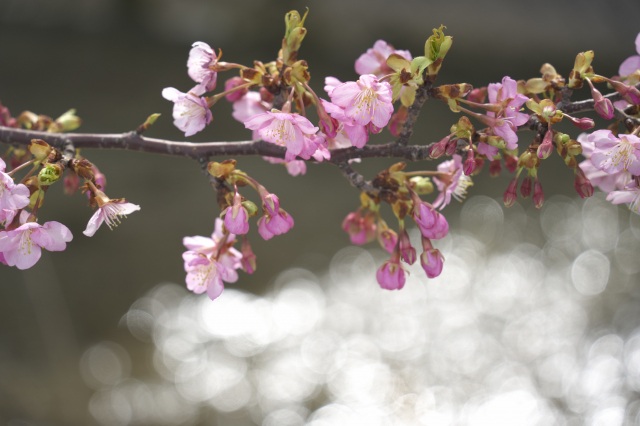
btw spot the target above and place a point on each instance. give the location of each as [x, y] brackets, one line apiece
[86, 330]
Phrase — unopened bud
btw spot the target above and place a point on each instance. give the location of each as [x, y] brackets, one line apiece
[538, 194]
[49, 174]
[438, 149]
[470, 163]
[68, 121]
[39, 149]
[546, 147]
[422, 185]
[221, 170]
[526, 186]
[582, 184]
[510, 195]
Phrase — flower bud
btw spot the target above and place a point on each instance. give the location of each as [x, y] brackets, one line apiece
[495, 168]
[221, 170]
[39, 149]
[422, 185]
[546, 147]
[49, 174]
[510, 195]
[526, 186]
[538, 194]
[68, 121]
[582, 184]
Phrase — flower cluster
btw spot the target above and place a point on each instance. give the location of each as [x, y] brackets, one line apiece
[22, 238]
[613, 165]
[209, 262]
[366, 224]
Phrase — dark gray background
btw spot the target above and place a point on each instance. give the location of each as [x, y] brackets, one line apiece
[110, 61]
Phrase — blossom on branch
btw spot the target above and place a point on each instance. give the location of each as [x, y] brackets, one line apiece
[22, 247]
[201, 67]
[509, 117]
[290, 130]
[191, 113]
[109, 211]
[209, 262]
[13, 197]
[374, 61]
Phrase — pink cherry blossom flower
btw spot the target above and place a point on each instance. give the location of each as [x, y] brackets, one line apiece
[632, 63]
[109, 212]
[614, 154]
[432, 224]
[374, 61]
[630, 195]
[452, 182]
[607, 182]
[246, 107]
[191, 113]
[22, 247]
[207, 274]
[509, 117]
[348, 133]
[200, 65]
[365, 101]
[209, 262]
[292, 131]
[13, 197]
[390, 275]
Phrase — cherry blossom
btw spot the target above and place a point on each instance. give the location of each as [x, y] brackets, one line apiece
[364, 101]
[209, 262]
[292, 131]
[109, 212]
[200, 65]
[509, 117]
[22, 247]
[13, 197]
[191, 113]
[452, 182]
[374, 61]
[630, 195]
[632, 63]
[614, 154]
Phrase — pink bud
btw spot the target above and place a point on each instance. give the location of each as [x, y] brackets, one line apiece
[546, 147]
[583, 123]
[432, 262]
[407, 252]
[538, 194]
[510, 195]
[511, 163]
[237, 94]
[630, 93]
[470, 163]
[437, 150]
[604, 108]
[452, 146]
[390, 275]
[582, 184]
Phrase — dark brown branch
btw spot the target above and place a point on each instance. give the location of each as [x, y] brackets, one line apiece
[132, 141]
